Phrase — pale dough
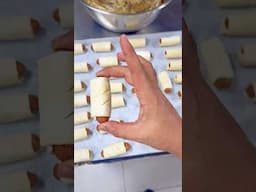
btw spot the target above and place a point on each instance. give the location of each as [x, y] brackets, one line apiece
[79, 48]
[80, 101]
[80, 134]
[117, 101]
[173, 53]
[145, 54]
[175, 65]
[114, 150]
[81, 67]
[78, 86]
[170, 41]
[102, 46]
[165, 81]
[81, 117]
[116, 87]
[16, 28]
[236, 3]
[247, 56]
[82, 155]
[66, 12]
[178, 78]
[100, 97]
[14, 107]
[8, 73]
[108, 61]
[138, 42]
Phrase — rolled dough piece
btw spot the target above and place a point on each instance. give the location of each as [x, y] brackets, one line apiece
[9, 74]
[115, 150]
[138, 42]
[117, 101]
[82, 155]
[15, 182]
[178, 78]
[251, 91]
[100, 97]
[116, 87]
[66, 15]
[14, 107]
[236, 3]
[247, 56]
[81, 117]
[81, 100]
[175, 65]
[79, 86]
[82, 67]
[173, 53]
[241, 24]
[81, 133]
[16, 147]
[79, 48]
[165, 82]
[102, 46]
[108, 61]
[219, 68]
[170, 41]
[18, 28]
[145, 54]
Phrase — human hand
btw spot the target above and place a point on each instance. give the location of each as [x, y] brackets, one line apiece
[158, 123]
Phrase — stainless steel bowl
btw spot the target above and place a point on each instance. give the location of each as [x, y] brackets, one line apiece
[124, 22]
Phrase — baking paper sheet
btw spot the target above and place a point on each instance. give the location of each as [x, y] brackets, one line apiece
[129, 113]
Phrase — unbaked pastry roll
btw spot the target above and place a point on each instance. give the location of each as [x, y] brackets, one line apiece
[178, 78]
[60, 173]
[175, 65]
[81, 133]
[170, 41]
[242, 24]
[247, 56]
[65, 15]
[116, 87]
[18, 28]
[165, 82]
[235, 3]
[81, 117]
[100, 99]
[82, 67]
[138, 42]
[15, 107]
[173, 53]
[145, 54]
[17, 147]
[18, 181]
[219, 68]
[11, 73]
[115, 150]
[82, 155]
[79, 48]
[117, 101]
[108, 61]
[99, 47]
[251, 91]
[81, 100]
[79, 86]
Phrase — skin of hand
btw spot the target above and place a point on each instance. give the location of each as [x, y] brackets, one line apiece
[64, 169]
[158, 123]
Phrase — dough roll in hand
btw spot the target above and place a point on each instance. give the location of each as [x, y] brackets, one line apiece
[115, 150]
[247, 56]
[18, 28]
[100, 99]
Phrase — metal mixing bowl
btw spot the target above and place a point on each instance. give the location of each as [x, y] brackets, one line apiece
[123, 22]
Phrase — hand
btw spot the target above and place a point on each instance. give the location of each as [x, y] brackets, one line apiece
[158, 123]
[64, 42]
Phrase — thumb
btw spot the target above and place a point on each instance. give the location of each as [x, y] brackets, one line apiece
[122, 130]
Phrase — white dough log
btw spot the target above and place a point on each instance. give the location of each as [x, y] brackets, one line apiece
[175, 65]
[247, 55]
[165, 82]
[9, 75]
[81, 133]
[82, 67]
[115, 150]
[15, 182]
[102, 46]
[219, 68]
[16, 28]
[145, 54]
[236, 3]
[81, 101]
[178, 78]
[170, 41]
[138, 42]
[66, 14]
[79, 86]
[82, 155]
[79, 48]
[16, 147]
[242, 24]
[117, 101]
[116, 87]
[173, 53]
[108, 61]
[81, 117]
[14, 107]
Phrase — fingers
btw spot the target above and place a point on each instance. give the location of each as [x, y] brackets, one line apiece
[64, 42]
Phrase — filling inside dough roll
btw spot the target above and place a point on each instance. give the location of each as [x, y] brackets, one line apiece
[82, 67]
[108, 61]
[102, 47]
[117, 101]
[82, 117]
[115, 150]
[175, 65]
[180, 93]
[138, 42]
[251, 91]
[83, 155]
[100, 99]
[81, 133]
[79, 48]
[170, 41]
[64, 15]
[173, 53]
[165, 82]
[247, 56]
[81, 101]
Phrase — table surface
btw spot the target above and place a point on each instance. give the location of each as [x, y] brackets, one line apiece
[168, 20]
